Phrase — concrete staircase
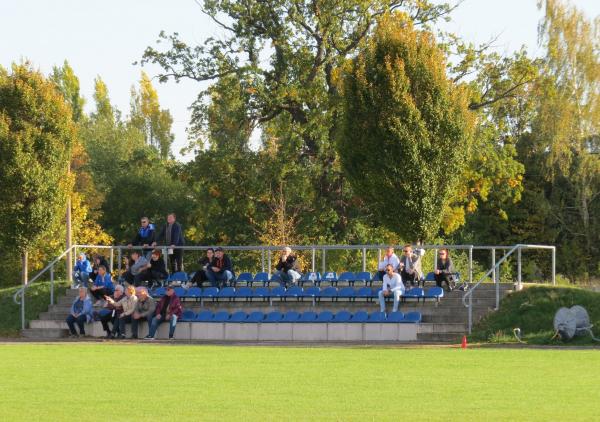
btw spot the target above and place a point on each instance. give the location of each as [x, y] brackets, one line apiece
[445, 321]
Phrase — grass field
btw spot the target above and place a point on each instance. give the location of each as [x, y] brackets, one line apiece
[142, 382]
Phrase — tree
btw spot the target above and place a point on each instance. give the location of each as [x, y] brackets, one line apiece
[407, 131]
[36, 137]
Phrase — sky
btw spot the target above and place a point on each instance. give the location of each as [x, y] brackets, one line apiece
[104, 38]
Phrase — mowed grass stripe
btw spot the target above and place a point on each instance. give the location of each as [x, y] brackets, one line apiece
[128, 382]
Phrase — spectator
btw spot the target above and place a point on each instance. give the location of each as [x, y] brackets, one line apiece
[389, 258]
[97, 261]
[168, 310]
[172, 234]
[127, 305]
[81, 312]
[144, 309]
[392, 285]
[158, 270]
[145, 237]
[286, 267]
[201, 275]
[220, 271]
[111, 311]
[102, 286]
[410, 265]
[137, 271]
[81, 271]
[444, 270]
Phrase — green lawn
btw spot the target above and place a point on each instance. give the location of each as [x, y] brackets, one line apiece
[143, 382]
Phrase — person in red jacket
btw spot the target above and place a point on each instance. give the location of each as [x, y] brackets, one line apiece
[168, 310]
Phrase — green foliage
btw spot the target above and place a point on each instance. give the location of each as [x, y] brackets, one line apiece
[406, 133]
[36, 137]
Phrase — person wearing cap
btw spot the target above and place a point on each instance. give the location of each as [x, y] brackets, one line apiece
[145, 236]
[80, 313]
[286, 271]
[392, 286]
[172, 235]
[168, 310]
[220, 270]
[127, 304]
[111, 311]
[102, 286]
[81, 271]
[144, 309]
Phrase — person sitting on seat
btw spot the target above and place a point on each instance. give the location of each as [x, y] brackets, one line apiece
[286, 267]
[81, 271]
[444, 270]
[168, 310]
[144, 309]
[127, 305]
[81, 312]
[201, 275]
[137, 271]
[102, 286]
[392, 285]
[410, 265]
[97, 261]
[158, 269]
[145, 236]
[389, 258]
[111, 311]
[220, 271]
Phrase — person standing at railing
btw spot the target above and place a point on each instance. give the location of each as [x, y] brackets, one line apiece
[81, 271]
[80, 313]
[410, 265]
[102, 286]
[168, 310]
[172, 235]
[392, 286]
[390, 258]
[145, 237]
[220, 270]
[286, 267]
[444, 271]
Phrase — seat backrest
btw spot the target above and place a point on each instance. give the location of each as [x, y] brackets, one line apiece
[329, 275]
[360, 316]
[227, 292]
[178, 276]
[278, 291]
[204, 316]
[239, 316]
[262, 292]
[312, 276]
[377, 317]
[262, 276]
[364, 292]
[342, 316]
[180, 291]
[430, 276]
[329, 292]
[221, 316]
[308, 316]
[210, 291]
[395, 316]
[255, 316]
[194, 292]
[188, 315]
[244, 277]
[290, 316]
[415, 291]
[325, 316]
[347, 292]
[347, 276]
[274, 316]
[244, 292]
[294, 291]
[312, 291]
[412, 316]
[159, 292]
[363, 275]
[435, 292]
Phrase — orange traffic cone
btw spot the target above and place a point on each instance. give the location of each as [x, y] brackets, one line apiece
[463, 344]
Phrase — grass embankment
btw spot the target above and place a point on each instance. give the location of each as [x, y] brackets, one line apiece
[153, 382]
[532, 310]
[37, 299]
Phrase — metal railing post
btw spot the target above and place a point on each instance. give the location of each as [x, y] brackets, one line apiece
[120, 263]
[314, 256]
[554, 266]
[52, 285]
[112, 260]
[324, 260]
[262, 259]
[495, 279]
[23, 310]
[364, 259]
[470, 264]
[470, 313]
[269, 256]
[519, 280]
[435, 256]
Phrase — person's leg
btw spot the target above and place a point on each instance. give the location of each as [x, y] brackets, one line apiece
[139, 278]
[212, 278]
[294, 276]
[81, 319]
[172, 324]
[221, 279]
[228, 276]
[438, 279]
[71, 324]
[397, 295]
[116, 327]
[104, 318]
[154, 326]
[381, 301]
[178, 256]
[85, 277]
[172, 263]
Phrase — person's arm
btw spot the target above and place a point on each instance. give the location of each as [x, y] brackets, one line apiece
[395, 262]
[137, 239]
[152, 238]
[151, 308]
[87, 308]
[175, 307]
[227, 265]
[160, 236]
[130, 310]
[72, 311]
[449, 266]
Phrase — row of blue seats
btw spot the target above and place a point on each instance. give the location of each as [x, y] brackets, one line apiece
[312, 277]
[304, 317]
[296, 292]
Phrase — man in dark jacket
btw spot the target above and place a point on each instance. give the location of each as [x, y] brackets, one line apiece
[168, 310]
[220, 270]
[172, 235]
[145, 236]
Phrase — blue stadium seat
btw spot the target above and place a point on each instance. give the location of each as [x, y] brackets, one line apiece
[239, 316]
[278, 291]
[377, 317]
[434, 293]
[395, 317]
[365, 277]
[178, 276]
[159, 292]
[226, 293]
[244, 293]
[274, 316]
[221, 316]
[191, 275]
[330, 277]
[209, 292]
[261, 277]
[244, 278]
[325, 316]
[181, 292]
[294, 291]
[429, 277]
[255, 316]
[365, 292]
[348, 277]
[308, 316]
[194, 292]
[347, 293]
[311, 277]
[262, 292]
[312, 291]
[328, 292]
[204, 316]
[414, 317]
[342, 316]
[290, 316]
[188, 315]
[360, 316]
[414, 293]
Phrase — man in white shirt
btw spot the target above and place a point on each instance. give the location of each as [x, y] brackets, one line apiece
[392, 285]
[389, 258]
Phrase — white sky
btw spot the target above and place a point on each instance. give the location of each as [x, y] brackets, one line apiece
[105, 37]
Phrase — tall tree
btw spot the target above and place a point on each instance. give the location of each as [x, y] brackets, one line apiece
[407, 131]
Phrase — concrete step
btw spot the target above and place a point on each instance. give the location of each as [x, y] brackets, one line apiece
[454, 328]
[45, 333]
[448, 337]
